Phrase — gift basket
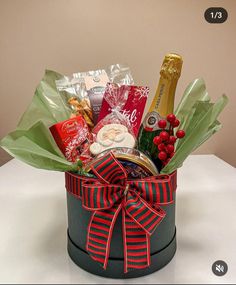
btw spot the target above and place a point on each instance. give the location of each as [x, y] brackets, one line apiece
[120, 171]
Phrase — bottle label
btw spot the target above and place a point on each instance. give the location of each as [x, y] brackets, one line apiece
[151, 120]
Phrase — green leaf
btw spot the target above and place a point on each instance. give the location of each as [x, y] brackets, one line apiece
[32, 141]
[31, 153]
[198, 119]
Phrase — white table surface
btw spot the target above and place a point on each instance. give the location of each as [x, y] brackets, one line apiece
[33, 225]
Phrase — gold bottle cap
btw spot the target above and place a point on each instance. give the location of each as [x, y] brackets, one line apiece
[171, 66]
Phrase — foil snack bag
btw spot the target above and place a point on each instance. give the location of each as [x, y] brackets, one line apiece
[83, 91]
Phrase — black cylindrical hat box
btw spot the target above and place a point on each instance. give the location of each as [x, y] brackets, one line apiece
[162, 247]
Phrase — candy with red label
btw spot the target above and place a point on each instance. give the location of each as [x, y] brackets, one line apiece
[73, 138]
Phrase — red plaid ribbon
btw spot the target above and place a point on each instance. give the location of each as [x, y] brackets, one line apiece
[138, 200]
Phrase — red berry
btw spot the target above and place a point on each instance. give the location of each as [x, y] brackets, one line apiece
[157, 140]
[180, 134]
[162, 124]
[171, 118]
[170, 148]
[162, 155]
[164, 135]
[171, 154]
[175, 123]
[161, 147]
[172, 140]
[168, 160]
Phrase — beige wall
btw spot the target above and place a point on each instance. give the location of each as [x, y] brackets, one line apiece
[79, 35]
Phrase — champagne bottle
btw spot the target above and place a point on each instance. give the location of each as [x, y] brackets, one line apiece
[161, 106]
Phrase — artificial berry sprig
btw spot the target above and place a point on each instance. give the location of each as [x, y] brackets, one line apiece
[166, 140]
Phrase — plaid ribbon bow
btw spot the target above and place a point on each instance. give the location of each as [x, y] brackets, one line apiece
[139, 202]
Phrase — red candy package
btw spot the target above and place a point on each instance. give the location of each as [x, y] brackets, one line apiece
[131, 100]
[73, 138]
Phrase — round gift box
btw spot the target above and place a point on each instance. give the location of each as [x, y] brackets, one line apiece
[162, 241]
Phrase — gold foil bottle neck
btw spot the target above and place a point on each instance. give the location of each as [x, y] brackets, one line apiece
[171, 66]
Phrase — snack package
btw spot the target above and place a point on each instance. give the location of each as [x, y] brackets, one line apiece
[83, 91]
[74, 95]
[119, 126]
[130, 100]
[73, 138]
[112, 135]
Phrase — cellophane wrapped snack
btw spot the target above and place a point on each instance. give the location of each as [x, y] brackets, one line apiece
[130, 100]
[116, 129]
[74, 95]
[83, 91]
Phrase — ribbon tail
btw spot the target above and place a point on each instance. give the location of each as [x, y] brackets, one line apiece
[136, 244]
[99, 234]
